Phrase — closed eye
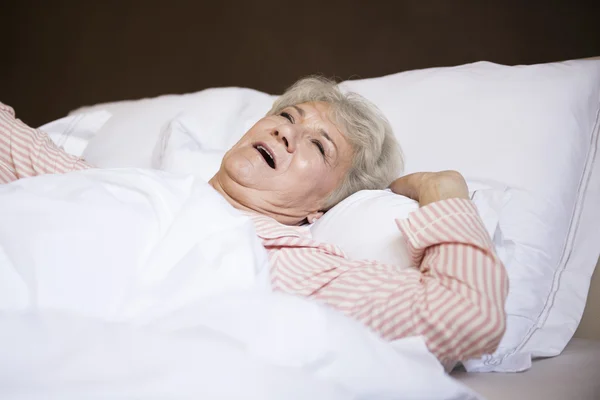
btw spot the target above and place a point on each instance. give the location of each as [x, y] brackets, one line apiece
[287, 116]
[319, 146]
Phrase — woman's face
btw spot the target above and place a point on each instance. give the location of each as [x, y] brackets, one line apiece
[286, 165]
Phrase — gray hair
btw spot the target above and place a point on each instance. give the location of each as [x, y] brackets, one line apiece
[377, 158]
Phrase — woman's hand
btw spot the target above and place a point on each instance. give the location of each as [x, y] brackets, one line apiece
[429, 187]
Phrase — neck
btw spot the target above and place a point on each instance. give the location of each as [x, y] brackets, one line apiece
[216, 184]
[254, 208]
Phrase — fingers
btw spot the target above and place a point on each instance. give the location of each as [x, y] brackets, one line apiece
[408, 185]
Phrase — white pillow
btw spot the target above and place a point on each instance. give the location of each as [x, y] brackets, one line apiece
[533, 129]
[129, 138]
[363, 225]
[184, 146]
[74, 132]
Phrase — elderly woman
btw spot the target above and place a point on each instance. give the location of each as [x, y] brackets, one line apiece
[316, 146]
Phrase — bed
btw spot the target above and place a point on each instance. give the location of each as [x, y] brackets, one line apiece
[572, 375]
[152, 301]
[197, 52]
[575, 374]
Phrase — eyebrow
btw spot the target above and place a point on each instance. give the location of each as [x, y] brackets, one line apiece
[299, 110]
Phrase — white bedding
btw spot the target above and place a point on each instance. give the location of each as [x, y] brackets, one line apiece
[133, 284]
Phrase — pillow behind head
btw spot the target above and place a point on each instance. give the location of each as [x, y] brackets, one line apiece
[195, 141]
[181, 149]
[129, 138]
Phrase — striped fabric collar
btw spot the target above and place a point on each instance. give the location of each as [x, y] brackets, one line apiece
[273, 233]
[267, 228]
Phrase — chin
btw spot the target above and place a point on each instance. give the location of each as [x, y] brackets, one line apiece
[240, 170]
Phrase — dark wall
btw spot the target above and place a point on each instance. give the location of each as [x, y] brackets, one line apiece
[57, 55]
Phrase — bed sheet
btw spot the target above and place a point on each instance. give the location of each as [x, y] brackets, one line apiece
[575, 374]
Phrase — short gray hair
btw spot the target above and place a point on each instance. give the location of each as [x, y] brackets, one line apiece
[377, 158]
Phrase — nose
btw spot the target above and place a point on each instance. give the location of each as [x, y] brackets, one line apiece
[288, 135]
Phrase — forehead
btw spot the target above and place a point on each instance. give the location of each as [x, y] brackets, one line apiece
[319, 111]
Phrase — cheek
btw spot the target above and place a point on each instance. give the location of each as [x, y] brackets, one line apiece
[308, 167]
[315, 174]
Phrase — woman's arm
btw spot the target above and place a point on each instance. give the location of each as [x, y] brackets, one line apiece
[447, 239]
[458, 303]
[25, 151]
[455, 298]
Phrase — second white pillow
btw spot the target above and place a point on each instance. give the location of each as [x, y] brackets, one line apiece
[364, 227]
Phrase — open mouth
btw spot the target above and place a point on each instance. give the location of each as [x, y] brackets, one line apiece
[266, 155]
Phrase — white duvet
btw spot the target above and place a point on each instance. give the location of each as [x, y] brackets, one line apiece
[140, 284]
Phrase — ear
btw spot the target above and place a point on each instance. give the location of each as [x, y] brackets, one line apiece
[314, 216]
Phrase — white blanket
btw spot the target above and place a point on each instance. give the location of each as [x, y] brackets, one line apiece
[135, 284]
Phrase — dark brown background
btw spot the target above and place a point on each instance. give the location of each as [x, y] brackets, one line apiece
[57, 55]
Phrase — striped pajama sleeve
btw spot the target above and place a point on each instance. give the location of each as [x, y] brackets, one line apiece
[26, 152]
[455, 298]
